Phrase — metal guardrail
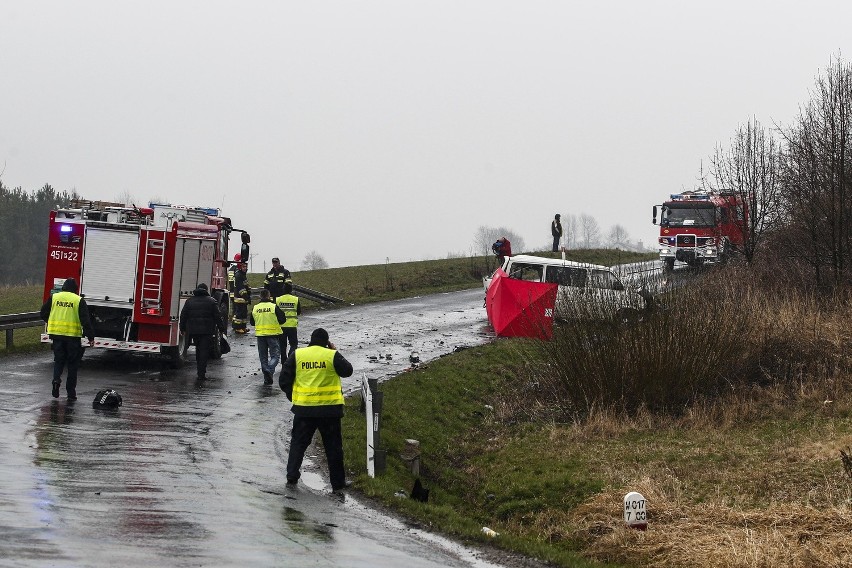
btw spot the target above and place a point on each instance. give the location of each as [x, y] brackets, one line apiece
[303, 292]
[11, 322]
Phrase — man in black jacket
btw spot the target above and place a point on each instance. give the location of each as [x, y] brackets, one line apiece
[276, 278]
[199, 319]
[311, 380]
[67, 317]
[556, 232]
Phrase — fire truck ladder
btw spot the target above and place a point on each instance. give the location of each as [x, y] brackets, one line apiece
[152, 274]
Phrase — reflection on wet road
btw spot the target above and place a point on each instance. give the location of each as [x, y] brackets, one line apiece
[192, 474]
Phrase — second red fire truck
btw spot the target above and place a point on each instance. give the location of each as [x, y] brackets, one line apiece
[137, 266]
[701, 226]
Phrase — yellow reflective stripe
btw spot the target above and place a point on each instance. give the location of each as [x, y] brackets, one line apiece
[64, 328]
[305, 397]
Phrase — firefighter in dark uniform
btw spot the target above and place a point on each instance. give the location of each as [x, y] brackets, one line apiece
[68, 320]
[242, 299]
[291, 307]
[275, 279]
[311, 380]
[231, 270]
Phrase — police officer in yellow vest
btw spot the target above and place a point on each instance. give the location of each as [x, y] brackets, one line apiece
[67, 317]
[311, 380]
[267, 319]
[291, 307]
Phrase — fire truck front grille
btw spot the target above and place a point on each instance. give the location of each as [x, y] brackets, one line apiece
[686, 240]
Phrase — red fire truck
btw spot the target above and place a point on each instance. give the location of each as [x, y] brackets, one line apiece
[701, 226]
[137, 266]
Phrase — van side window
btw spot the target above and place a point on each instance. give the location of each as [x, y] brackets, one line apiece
[603, 279]
[566, 276]
[530, 272]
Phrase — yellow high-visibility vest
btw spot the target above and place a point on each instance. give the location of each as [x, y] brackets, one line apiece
[316, 383]
[64, 316]
[265, 320]
[289, 304]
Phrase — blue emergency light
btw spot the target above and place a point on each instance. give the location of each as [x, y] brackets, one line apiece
[65, 228]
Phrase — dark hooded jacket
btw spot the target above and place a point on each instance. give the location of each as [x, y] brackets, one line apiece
[200, 314]
[70, 285]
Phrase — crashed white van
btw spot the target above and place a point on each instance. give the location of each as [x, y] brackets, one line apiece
[585, 290]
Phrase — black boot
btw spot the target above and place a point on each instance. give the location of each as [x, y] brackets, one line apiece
[55, 391]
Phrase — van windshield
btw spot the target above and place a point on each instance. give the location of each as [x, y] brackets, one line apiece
[521, 271]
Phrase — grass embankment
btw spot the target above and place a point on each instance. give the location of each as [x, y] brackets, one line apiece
[728, 410]
[18, 300]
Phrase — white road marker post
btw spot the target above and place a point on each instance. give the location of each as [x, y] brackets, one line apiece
[367, 398]
[635, 511]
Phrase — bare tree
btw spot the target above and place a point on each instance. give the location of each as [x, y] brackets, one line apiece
[751, 169]
[485, 237]
[618, 237]
[818, 177]
[314, 261]
[590, 231]
[570, 229]
[125, 198]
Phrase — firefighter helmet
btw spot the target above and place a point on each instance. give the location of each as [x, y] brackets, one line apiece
[237, 257]
[107, 398]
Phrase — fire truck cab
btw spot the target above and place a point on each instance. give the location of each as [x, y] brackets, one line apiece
[701, 226]
[137, 266]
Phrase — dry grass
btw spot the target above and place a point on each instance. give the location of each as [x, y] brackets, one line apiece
[720, 493]
[748, 475]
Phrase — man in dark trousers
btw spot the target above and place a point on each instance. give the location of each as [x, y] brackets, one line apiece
[292, 308]
[556, 231]
[276, 278]
[199, 319]
[68, 320]
[311, 380]
[267, 319]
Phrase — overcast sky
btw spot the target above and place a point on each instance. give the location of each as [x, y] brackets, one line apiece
[379, 130]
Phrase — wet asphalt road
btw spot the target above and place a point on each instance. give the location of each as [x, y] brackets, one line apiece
[192, 474]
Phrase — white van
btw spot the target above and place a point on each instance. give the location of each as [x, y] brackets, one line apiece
[585, 290]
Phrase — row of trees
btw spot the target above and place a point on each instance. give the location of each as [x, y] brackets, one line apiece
[24, 219]
[578, 231]
[797, 182]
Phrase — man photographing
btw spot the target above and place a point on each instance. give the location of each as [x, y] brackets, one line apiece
[311, 380]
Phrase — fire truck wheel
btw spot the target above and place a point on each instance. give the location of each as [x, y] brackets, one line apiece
[224, 310]
[177, 354]
[216, 349]
[668, 265]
